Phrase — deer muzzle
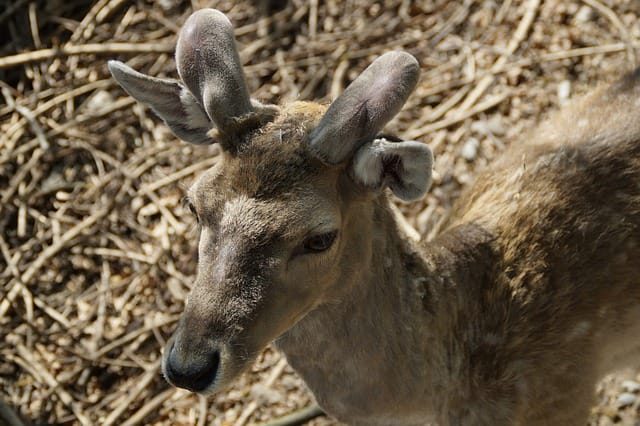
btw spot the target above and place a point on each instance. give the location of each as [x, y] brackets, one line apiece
[192, 371]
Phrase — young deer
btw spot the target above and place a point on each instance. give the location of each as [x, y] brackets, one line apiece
[509, 317]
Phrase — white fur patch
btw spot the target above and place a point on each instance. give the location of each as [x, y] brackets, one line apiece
[196, 117]
[367, 165]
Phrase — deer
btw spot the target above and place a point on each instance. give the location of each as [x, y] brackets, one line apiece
[528, 295]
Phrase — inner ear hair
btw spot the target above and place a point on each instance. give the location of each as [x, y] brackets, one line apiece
[403, 166]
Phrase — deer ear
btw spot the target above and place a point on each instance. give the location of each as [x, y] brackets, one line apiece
[404, 167]
[169, 99]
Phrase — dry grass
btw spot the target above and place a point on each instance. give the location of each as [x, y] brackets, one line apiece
[96, 251]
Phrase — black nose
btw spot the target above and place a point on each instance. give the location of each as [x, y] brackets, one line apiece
[191, 371]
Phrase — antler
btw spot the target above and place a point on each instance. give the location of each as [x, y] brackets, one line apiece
[208, 64]
[213, 90]
[363, 109]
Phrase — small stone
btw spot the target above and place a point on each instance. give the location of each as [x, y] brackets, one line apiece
[481, 127]
[493, 126]
[631, 386]
[564, 91]
[626, 399]
[470, 149]
[168, 5]
[585, 14]
[99, 101]
[496, 126]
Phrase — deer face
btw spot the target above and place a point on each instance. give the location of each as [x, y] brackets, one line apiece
[285, 216]
[270, 225]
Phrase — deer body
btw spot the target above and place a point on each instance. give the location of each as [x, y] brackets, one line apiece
[516, 310]
[508, 317]
[497, 325]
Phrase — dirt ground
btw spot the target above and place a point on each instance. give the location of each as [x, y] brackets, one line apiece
[96, 250]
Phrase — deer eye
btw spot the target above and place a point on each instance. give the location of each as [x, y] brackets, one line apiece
[319, 243]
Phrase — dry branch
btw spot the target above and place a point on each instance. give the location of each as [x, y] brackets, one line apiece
[85, 49]
[297, 418]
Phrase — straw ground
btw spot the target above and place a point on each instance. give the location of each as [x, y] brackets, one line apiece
[97, 252]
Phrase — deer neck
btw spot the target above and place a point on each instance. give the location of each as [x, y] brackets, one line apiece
[368, 348]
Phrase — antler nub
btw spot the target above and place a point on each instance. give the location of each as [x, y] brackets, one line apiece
[364, 108]
[208, 63]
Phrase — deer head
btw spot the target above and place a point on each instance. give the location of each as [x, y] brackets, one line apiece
[286, 216]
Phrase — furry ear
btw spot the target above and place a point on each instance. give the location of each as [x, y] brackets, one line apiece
[169, 99]
[404, 167]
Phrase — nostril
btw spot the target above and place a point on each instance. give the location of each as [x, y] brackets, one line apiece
[194, 372]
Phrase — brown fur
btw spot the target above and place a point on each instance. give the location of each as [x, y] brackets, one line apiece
[509, 317]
